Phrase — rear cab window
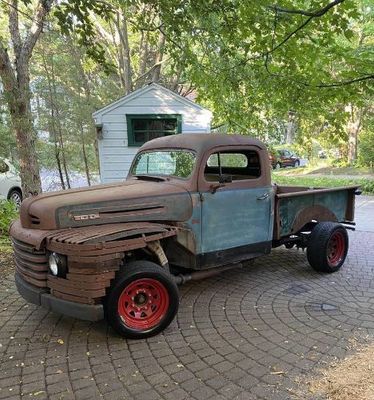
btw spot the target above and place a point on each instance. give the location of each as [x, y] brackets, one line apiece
[236, 164]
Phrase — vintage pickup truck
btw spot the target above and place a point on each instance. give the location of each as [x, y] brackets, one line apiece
[192, 205]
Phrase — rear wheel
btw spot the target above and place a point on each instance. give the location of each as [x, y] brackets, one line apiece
[143, 300]
[296, 164]
[327, 247]
[277, 165]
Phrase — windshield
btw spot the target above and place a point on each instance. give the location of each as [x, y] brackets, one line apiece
[178, 163]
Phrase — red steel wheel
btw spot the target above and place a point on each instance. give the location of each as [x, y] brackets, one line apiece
[142, 301]
[336, 248]
[327, 247]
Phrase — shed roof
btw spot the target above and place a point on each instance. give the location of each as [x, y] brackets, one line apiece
[140, 92]
[201, 142]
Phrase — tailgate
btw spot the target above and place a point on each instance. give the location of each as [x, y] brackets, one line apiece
[294, 207]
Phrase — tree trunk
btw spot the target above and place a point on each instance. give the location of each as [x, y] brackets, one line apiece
[144, 53]
[59, 127]
[21, 121]
[85, 160]
[16, 87]
[159, 56]
[121, 24]
[353, 129]
[18, 100]
[290, 128]
[52, 124]
[97, 156]
[58, 161]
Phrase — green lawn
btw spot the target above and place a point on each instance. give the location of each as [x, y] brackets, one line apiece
[366, 184]
[320, 173]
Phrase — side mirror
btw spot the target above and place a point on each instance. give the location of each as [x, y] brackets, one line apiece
[225, 179]
[3, 167]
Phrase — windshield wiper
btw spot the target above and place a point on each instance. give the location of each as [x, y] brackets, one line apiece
[151, 178]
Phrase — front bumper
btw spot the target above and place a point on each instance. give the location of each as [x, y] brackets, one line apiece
[42, 297]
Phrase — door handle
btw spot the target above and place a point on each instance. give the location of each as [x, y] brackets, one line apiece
[264, 196]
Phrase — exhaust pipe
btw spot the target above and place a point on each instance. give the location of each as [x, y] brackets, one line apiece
[181, 279]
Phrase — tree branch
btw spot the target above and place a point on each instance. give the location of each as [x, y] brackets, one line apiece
[321, 85]
[289, 36]
[42, 10]
[6, 71]
[151, 69]
[14, 27]
[313, 14]
[344, 83]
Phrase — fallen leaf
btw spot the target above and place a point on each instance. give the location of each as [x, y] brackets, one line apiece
[277, 373]
[38, 393]
[60, 341]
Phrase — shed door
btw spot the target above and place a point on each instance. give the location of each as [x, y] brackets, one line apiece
[238, 213]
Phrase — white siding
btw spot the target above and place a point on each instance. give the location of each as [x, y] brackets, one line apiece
[115, 155]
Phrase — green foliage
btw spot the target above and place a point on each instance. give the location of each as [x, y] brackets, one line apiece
[75, 16]
[246, 61]
[8, 213]
[366, 149]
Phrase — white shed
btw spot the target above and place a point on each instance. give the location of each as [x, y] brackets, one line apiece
[150, 112]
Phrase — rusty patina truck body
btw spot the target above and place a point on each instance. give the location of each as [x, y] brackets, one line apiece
[192, 205]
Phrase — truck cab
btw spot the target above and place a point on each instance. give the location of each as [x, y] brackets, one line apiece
[192, 206]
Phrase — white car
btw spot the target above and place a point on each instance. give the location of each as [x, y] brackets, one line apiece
[10, 183]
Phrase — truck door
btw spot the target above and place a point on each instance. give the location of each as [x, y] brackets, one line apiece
[237, 202]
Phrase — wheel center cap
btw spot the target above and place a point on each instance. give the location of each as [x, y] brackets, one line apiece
[140, 299]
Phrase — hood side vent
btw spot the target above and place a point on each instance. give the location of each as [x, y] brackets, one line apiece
[34, 220]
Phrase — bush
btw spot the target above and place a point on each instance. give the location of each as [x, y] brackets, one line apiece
[8, 213]
[366, 149]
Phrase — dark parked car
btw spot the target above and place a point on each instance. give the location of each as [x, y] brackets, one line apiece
[283, 158]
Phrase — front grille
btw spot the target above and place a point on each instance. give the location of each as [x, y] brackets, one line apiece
[31, 264]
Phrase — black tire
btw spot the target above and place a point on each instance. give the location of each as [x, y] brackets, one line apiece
[296, 164]
[278, 166]
[155, 308]
[327, 247]
[15, 195]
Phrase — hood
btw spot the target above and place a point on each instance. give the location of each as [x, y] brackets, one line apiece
[132, 200]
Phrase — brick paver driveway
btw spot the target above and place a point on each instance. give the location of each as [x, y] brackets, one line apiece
[247, 334]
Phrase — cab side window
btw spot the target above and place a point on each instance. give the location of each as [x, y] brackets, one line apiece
[235, 165]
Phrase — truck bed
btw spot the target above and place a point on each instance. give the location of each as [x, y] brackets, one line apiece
[295, 206]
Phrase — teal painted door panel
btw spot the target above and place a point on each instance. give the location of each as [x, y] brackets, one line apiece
[233, 218]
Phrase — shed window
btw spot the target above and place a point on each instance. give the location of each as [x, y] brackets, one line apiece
[142, 128]
[238, 165]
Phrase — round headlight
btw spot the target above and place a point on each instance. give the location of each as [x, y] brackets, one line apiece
[53, 264]
[57, 264]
